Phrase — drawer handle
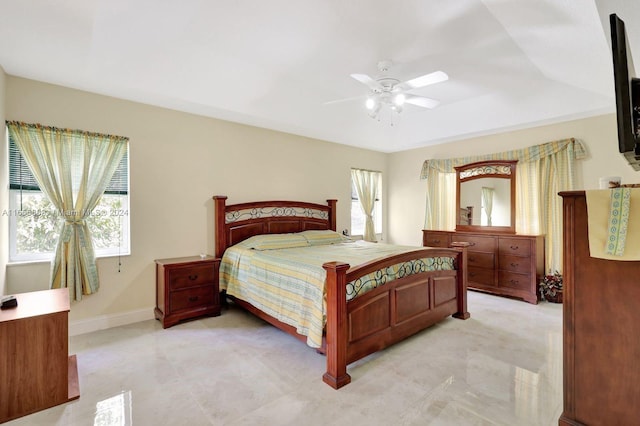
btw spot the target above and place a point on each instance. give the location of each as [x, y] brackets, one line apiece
[436, 241]
[514, 264]
[472, 244]
[514, 282]
[193, 299]
[472, 274]
[471, 259]
[193, 277]
[514, 247]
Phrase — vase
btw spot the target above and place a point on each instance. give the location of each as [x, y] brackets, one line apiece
[554, 299]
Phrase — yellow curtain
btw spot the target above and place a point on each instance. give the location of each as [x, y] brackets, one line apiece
[366, 183]
[541, 172]
[72, 169]
[487, 203]
[441, 206]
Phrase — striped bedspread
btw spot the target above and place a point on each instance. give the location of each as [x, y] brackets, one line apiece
[288, 283]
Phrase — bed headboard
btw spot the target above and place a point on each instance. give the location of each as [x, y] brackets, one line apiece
[237, 222]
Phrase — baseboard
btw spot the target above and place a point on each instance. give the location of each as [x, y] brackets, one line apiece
[103, 322]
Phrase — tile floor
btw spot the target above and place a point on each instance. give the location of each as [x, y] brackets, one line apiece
[503, 366]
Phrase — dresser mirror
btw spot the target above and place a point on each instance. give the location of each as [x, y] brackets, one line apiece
[485, 198]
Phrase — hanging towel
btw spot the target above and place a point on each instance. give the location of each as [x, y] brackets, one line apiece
[618, 221]
[613, 217]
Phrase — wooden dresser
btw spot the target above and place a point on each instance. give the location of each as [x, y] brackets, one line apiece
[601, 341]
[36, 371]
[186, 287]
[503, 264]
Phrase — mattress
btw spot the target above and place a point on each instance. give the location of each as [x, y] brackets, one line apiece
[282, 274]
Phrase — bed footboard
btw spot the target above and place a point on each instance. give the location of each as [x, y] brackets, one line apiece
[389, 313]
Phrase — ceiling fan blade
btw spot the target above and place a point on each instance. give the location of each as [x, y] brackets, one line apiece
[365, 79]
[337, 101]
[421, 101]
[425, 80]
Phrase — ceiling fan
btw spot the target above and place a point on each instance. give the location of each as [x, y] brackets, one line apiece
[388, 91]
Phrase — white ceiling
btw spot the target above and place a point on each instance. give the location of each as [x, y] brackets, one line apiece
[511, 63]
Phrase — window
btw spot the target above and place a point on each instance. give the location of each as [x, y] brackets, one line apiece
[34, 224]
[357, 215]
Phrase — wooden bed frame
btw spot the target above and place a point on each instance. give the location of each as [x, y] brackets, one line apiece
[372, 321]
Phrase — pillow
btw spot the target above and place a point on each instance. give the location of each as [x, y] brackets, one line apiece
[320, 237]
[275, 241]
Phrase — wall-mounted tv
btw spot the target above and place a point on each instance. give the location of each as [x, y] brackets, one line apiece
[627, 89]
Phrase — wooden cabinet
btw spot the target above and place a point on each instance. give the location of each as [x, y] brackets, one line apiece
[504, 264]
[186, 287]
[601, 343]
[36, 371]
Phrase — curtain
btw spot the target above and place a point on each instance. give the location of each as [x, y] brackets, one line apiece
[366, 183]
[440, 210]
[72, 169]
[487, 202]
[541, 172]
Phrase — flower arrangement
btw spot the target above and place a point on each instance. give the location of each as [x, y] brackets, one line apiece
[551, 287]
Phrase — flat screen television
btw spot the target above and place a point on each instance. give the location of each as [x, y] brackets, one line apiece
[627, 89]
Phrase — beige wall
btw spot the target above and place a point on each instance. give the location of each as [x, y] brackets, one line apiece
[178, 162]
[4, 199]
[407, 192]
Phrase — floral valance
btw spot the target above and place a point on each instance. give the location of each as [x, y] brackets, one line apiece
[533, 153]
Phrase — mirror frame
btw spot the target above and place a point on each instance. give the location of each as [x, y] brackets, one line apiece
[502, 169]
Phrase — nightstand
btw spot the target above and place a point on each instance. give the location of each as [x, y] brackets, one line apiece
[186, 288]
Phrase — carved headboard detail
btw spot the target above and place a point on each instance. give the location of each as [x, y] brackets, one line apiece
[237, 222]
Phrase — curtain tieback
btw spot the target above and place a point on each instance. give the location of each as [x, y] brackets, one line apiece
[69, 226]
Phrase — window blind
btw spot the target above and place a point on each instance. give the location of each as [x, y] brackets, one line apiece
[20, 176]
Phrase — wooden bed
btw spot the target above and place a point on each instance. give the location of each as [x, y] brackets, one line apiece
[372, 321]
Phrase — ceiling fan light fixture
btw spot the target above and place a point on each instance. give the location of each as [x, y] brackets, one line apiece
[373, 107]
[388, 95]
[370, 103]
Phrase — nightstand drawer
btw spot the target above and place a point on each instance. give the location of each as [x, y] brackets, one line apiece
[186, 288]
[191, 276]
[191, 298]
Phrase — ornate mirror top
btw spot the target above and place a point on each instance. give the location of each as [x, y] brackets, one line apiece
[487, 169]
[485, 198]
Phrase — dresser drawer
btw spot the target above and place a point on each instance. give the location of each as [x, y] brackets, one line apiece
[514, 280]
[436, 239]
[191, 276]
[515, 264]
[514, 246]
[477, 243]
[191, 298]
[480, 259]
[481, 276]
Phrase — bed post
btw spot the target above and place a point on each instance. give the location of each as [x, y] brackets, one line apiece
[332, 214]
[462, 280]
[219, 202]
[336, 375]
